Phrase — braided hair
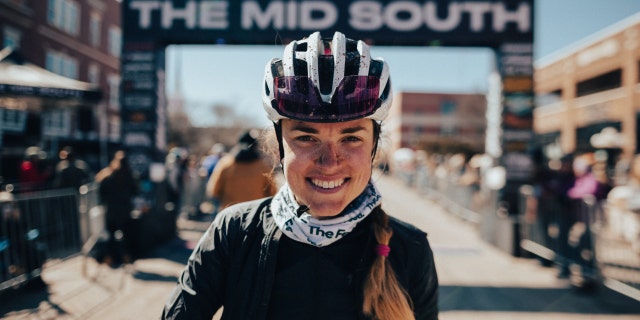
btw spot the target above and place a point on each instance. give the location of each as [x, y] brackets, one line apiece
[384, 297]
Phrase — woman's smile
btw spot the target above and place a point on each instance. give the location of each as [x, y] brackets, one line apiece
[328, 185]
[327, 165]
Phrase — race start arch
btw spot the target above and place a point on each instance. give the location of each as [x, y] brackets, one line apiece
[506, 26]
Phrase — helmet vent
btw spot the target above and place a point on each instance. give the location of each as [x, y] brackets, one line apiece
[375, 68]
[326, 66]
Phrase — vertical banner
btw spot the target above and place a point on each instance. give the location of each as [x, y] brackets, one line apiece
[515, 64]
[143, 110]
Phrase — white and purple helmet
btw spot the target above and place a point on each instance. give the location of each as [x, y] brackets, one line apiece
[326, 80]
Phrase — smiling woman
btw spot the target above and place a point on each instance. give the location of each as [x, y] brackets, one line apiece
[322, 247]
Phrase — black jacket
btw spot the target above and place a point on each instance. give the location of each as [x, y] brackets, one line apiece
[234, 264]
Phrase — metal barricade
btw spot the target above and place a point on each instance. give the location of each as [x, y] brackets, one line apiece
[42, 227]
[584, 234]
[465, 201]
[617, 238]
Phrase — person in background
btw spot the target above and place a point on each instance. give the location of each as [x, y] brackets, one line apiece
[210, 205]
[34, 174]
[322, 247]
[242, 175]
[117, 190]
[585, 185]
[71, 172]
[175, 166]
[211, 160]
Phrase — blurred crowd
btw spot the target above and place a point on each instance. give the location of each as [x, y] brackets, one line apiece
[566, 200]
[192, 186]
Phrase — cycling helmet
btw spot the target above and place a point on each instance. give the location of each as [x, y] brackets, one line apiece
[326, 80]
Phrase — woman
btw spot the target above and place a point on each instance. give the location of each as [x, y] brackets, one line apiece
[322, 247]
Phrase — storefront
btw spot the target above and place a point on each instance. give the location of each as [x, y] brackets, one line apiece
[44, 109]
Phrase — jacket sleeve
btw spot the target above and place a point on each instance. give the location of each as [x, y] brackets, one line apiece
[200, 290]
[424, 289]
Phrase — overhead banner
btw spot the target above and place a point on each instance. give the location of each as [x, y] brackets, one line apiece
[402, 22]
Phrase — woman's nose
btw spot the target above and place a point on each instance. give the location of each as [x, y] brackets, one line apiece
[328, 155]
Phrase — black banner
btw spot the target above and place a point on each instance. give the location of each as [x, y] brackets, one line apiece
[383, 22]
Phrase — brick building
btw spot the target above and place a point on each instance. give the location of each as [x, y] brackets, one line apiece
[80, 40]
[419, 118]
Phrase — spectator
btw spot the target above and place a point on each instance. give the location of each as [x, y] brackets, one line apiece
[585, 185]
[33, 173]
[242, 175]
[117, 189]
[71, 172]
[211, 160]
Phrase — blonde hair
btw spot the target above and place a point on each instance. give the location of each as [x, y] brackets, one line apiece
[384, 297]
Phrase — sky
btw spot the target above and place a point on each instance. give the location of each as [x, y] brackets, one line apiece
[232, 75]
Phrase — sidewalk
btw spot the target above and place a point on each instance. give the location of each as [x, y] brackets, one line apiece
[477, 280]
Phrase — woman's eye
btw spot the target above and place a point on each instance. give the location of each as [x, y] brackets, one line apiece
[304, 138]
[352, 139]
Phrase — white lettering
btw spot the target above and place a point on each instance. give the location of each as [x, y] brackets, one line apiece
[273, 15]
[411, 16]
[169, 13]
[292, 11]
[449, 23]
[145, 9]
[307, 15]
[501, 17]
[476, 14]
[196, 14]
[328, 18]
[366, 15]
[411, 8]
[213, 15]
[137, 139]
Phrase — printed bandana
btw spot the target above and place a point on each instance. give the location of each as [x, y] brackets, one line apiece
[320, 233]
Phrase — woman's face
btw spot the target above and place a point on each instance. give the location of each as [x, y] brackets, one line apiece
[327, 165]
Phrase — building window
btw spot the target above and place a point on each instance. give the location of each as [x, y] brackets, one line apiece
[448, 130]
[12, 37]
[12, 120]
[95, 26]
[56, 123]
[115, 41]
[114, 93]
[94, 74]
[447, 107]
[62, 64]
[65, 15]
[603, 82]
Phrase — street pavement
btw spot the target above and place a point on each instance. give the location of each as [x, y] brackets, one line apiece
[477, 280]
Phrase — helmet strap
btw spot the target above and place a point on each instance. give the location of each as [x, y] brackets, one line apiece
[376, 137]
[277, 126]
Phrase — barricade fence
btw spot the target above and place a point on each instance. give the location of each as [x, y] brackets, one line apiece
[44, 227]
[598, 243]
[586, 235]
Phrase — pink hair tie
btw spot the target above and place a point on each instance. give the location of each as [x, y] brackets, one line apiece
[383, 250]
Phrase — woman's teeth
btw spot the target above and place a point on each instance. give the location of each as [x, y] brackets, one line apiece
[327, 184]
